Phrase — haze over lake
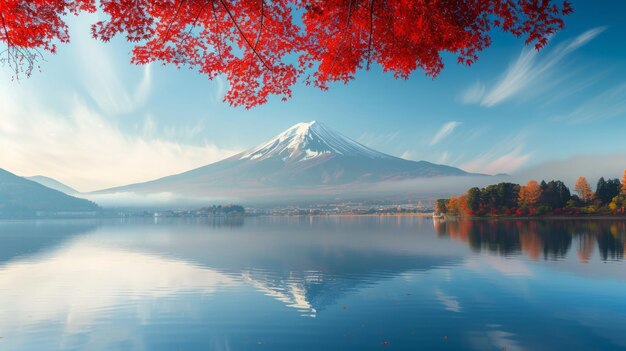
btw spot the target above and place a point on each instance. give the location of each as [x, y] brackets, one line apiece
[312, 283]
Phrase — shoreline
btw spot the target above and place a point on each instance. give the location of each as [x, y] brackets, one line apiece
[429, 215]
[421, 215]
[559, 217]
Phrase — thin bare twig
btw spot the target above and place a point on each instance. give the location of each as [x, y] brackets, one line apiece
[219, 33]
[169, 26]
[258, 37]
[6, 35]
[369, 42]
[244, 36]
[195, 21]
[343, 37]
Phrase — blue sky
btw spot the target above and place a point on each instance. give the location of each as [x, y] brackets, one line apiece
[93, 120]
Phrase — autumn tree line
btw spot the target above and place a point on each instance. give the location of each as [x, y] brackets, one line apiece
[545, 198]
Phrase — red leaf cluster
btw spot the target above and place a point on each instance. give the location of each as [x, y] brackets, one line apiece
[28, 26]
[262, 50]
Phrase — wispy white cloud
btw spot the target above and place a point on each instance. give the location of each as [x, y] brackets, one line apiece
[185, 132]
[504, 157]
[577, 80]
[473, 94]
[84, 149]
[444, 131]
[606, 105]
[102, 77]
[507, 162]
[443, 159]
[528, 70]
[142, 93]
[220, 86]
[149, 127]
[407, 155]
[71, 134]
[516, 78]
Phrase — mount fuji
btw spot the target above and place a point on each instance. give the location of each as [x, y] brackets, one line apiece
[306, 156]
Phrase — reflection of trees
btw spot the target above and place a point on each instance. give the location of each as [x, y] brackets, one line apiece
[557, 239]
[610, 247]
[610, 237]
[215, 222]
[226, 221]
[536, 238]
[494, 238]
[482, 235]
[530, 241]
[586, 245]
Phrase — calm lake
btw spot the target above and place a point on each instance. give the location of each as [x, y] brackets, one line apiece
[313, 283]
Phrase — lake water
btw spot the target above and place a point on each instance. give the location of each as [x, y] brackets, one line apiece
[313, 283]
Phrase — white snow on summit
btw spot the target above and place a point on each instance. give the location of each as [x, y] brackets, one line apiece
[309, 140]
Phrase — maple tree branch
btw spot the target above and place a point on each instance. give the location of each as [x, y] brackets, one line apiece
[14, 63]
[348, 19]
[8, 40]
[391, 26]
[343, 38]
[369, 43]
[169, 26]
[195, 21]
[244, 36]
[219, 33]
[6, 31]
[258, 37]
[6, 35]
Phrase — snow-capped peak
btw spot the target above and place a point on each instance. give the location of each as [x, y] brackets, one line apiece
[308, 140]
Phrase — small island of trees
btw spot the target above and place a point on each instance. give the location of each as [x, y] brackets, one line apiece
[209, 211]
[539, 199]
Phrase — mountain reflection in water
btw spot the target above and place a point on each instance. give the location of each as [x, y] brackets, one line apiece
[312, 283]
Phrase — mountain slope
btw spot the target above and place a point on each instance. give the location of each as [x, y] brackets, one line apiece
[20, 197]
[307, 155]
[53, 184]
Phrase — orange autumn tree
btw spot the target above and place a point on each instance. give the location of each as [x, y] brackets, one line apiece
[453, 206]
[583, 189]
[529, 194]
[624, 183]
[463, 210]
[263, 50]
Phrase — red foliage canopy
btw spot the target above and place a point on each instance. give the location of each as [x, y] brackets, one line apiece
[262, 50]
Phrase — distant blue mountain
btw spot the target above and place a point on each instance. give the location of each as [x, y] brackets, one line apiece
[53, 184]
[20, 197]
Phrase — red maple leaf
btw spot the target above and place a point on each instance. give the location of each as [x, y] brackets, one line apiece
[263, 51]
